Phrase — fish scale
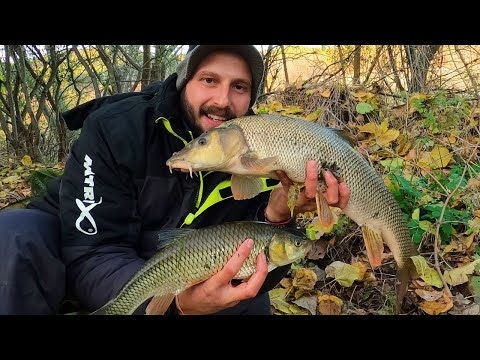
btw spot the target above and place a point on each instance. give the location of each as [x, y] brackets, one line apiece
[194, 255]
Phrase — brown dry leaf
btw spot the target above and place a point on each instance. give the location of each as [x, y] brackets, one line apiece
[472, 183]
[438, 306]
[304, 279]
[318, 250]
[429, 295]
[286, 282]
[329, 305]
[404, 145]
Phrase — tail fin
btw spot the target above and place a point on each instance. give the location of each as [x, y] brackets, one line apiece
[404, 275]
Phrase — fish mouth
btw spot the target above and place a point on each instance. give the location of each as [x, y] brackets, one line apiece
[183, 166]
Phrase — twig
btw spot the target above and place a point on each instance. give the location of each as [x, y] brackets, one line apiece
[439, 223]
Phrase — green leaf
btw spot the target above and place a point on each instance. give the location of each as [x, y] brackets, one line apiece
[364, 108]
[416, 214]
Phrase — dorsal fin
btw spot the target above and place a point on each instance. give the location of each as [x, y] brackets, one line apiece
[167, 237]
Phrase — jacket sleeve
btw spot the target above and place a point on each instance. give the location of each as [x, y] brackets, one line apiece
[100, 225]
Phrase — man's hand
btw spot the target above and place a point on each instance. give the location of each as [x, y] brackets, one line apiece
[218, 293]
[337, 194]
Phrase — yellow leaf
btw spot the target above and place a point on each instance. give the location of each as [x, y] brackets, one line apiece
[329, 305]
[286, 282]
[460, 275]
[297, 310]
[277, 300]
[440, 157]
[311, 91]
[313, 116]
[437, 307]
[403, 145]
[26, 160]
[387, 137]
[11, 179]
[293, 109]
[370, 128]
[275, 106]
[383, 127]
[344, 274]
[427, 273]
[304, 279]
[326, 93]
[362, 269]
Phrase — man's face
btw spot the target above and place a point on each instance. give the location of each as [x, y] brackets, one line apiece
[220, 90]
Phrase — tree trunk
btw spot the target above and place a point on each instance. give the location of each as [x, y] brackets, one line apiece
[419, 58]
[356, 64]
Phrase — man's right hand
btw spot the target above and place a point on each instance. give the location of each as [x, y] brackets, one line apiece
[218, 293]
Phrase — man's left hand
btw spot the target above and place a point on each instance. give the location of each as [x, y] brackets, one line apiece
[336, 194]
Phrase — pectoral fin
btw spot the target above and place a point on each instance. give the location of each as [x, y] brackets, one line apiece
[246, 187]
[374, 244]
[293, 194]
[252, 162]
[159, 304]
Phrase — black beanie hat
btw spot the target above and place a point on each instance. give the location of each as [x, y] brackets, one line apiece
[196, 53]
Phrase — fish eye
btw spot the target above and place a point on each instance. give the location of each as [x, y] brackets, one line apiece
[298, 243]
[202, 141]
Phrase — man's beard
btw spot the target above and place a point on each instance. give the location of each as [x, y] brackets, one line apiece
[191, 116]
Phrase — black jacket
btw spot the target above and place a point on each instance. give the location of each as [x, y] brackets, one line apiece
[116, 187]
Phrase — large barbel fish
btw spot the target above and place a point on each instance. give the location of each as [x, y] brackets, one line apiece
[255, 146]
[189, 256]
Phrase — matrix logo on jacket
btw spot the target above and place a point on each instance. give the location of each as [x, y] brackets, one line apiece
[88, 203]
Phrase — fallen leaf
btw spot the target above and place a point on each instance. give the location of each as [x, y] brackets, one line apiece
[329, 305]
[326, 93]
[460, 275]
[318, 250]
[286, 282]
[304, 279]
[474, 285]
[344, 274]
[26, 160]
[427, 273]
[437, 307]
[362, 268]
[308, 302]
[429, 295]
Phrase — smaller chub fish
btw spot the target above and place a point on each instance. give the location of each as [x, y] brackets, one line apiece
[189, 256]
[252, 147]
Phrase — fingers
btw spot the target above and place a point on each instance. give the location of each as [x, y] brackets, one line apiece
[311, 180]
[233, 266]
[331, 194]
[344, 195]
[250, 288]
[282, 176]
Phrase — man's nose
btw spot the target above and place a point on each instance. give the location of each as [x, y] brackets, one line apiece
[222, 97]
